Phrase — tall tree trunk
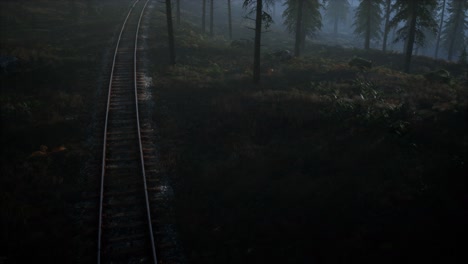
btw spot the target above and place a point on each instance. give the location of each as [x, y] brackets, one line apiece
[258, 41]
[388, 8]
[392, 43]
[451, 50]
[451, 47]
[178, 12]
[298, 44]
[303, 39]
[335, 26]
[368, 30]
[229, 19]
[440, 30]
[273, 6]
[411, 36]
[170, 32]
[204, 16]
[211, 17]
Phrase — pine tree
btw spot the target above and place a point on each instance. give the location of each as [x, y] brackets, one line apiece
[211, 18]
[455, 27]
[299, 31]
[367, 21]
[463, 59]
[417, 16]
[430, 35]
[337, 10]
[178, 12]
[388, 9]
[439, 33]
[305, 16]
[256, 6]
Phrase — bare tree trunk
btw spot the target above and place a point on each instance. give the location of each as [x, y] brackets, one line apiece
[411, 36]
[229, 19]
[303, 39]
[392, 43]
[451, 50]
[170, 32]
[335, 26]
[440, 30]
[258, 41]
[273, 6]
[211, 17]
[388, 8]
[298, 44]
[178, 12]
[204, 17]
[368, 32]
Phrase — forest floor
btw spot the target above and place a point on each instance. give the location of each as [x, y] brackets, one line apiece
[47, 104]
[321, 163]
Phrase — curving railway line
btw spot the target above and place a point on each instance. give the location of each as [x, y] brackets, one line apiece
[125, 233]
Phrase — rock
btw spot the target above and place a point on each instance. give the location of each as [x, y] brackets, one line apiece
[282, 55]
[360, 63]
[241, 43]
[439, 76]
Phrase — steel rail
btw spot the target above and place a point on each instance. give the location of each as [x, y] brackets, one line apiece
[101, 199]
[153, 248]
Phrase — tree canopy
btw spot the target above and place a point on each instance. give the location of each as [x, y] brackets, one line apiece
[368, 19]
[454, 31]
[337, 10]
[417, 18]
[303, 15]
[422, 11]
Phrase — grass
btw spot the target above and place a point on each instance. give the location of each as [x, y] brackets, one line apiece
[320, 178]
[323, 163]
[316, 177]
[48, 101]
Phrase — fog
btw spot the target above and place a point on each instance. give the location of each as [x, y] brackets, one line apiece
[132, 131]
[345, 37]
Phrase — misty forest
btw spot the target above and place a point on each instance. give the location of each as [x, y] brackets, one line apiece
[233, 131]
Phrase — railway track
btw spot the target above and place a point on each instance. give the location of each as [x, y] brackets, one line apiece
[125, 233]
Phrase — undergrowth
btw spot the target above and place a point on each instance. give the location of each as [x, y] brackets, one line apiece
[321, 163]
[45, 106]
